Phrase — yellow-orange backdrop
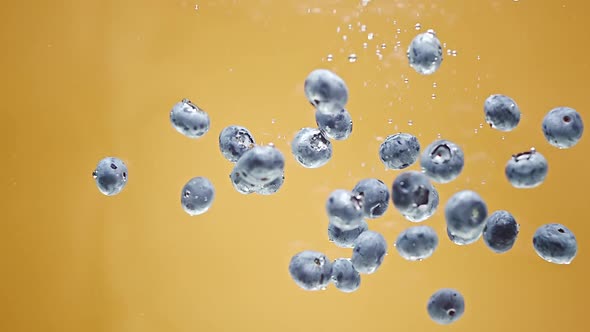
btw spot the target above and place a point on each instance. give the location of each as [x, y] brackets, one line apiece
[82, 80]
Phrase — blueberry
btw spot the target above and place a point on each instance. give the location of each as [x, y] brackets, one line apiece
[463, 240]
[425, 53]
[110, 176]
[197, 196]
[417, 243]
[369, 250]
[336, 126]
[555, 244]
[446, 306]
[240, 183]
[345, 238]
[563, 127]
[326, 91]
[442, 161]
[501, 112]
[189, 120]
[311, 148]
[234, 141]
[414, 196]
[527, 169]
[271, 187]
[399, 151]
[465, 214]
[344, 209]
[375, 196]
[311, 270]
[261, 165]
[344, 276]
[500, 231]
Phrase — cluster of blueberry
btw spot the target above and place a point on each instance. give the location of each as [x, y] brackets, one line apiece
[260, 169]
[415, 197]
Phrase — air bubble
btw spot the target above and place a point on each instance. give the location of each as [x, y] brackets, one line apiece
[418, 26]
[410, 123]
[352, 58]
[370, 36]
[434, 96]
[330, 57]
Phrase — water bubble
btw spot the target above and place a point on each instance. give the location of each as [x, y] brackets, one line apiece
[434, 96]
[196, 7]
[350, 27]
[481, 125]
[363, 28]
[444, 45]
[449, 52]
[394, 22]
[410, 123]
[431, 31]
[503, 138]
[365, 45]
[475, 130]
[483, 181]
[187, 193]
[338, 30]
[370, 36]
[454, 53]
[344, 37]
[418, 26]
[434, 85]
[390, 121]
[398, 31]
[438, 135]
[363, 164]
[330, 57]
[273, 121]
[406, 80]
[352, 58]
[478, 58]
[383, 46]
[95, 174]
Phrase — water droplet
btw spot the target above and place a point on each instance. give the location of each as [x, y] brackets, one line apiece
[197, 7]
[454, 52]
[273, 121]
[398, 31]
[434, 96]
[438, 135]
[370, 36]
[383, 46]
[475, 130]
[330, 57]
[390, 121]
[431, 31]
[478, 58]
[338, 30]
[449, 52]
[503, 137]
[363, 164]
[410, 123]
[344, 37]
[363, 28]
[434, 85]
[365, 45]
[418, 26]
[352, 58]
[483, 181]
[481, 125]
[95, 174]
[406, 80]
[394, 22]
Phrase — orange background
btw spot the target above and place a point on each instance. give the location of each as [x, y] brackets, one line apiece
[82, 80]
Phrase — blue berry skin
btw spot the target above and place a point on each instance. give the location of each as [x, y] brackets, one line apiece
[326, 91]
[446, 306]
[336, 126]
[344, 276]
[197, 196]
[311, 148]
[425, 53]
[369, 250]
[414, 196]
[465, 214]
[417, 243]
[463, 240]
[234, 141]
[111, 176]
[526, 170]
[189, 120]
[442, 161]
[555, 243]
[271, 188]
[375, 196]
[501, 112]
[563, 127]
[500, 231]
[240, 184]
[311, 270]
[345, 238]
[399, 151]
[344, 209]
[261, 165]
